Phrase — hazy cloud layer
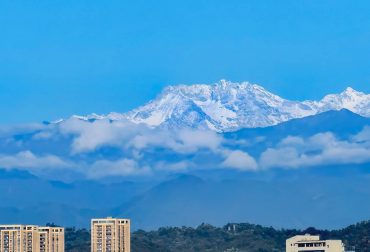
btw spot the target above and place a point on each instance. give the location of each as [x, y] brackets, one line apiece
[103, 148]
[320, 149]
[124, 134]
[363, 136]
[240, 160]
[28, 160]
[90, 136]
[122, 167]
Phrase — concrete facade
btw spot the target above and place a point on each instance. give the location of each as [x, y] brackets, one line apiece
[110, 235]
[51, 239]
[31, 238]
[312, 243]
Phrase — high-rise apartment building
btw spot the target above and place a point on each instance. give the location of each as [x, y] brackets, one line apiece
[31, 238]
[110, 235]
[51, 239]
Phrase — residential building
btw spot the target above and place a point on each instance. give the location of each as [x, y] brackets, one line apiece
[51, 239]
[31, 238]
[312, 243]
[110, 235]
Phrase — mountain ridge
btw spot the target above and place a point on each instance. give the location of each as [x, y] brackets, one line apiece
[229, 106]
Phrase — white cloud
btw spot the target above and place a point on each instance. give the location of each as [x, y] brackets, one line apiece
[198, 139]
[143, 150]
[122, 167]
[292, 140]
[240, 160]
[286, 157]
[91, 135]
[11, 130]
[28, 160]
[146, 139]
[320, 149]
[182, 141]
[136, 140]
[183, 165]
[363, 135]
[43, 135]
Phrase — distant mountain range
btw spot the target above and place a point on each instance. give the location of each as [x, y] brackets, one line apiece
[324, 184]
[226, 106]
[228, 152]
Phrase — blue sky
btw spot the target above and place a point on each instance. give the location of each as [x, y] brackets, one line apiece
[76, 57]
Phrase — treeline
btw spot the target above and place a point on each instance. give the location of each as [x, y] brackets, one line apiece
[231, 238]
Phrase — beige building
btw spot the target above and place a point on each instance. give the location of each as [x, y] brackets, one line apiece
[110, 235]
[51, 239]
[312, 243]
[31, 238]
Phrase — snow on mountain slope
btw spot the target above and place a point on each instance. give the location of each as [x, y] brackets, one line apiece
[224, 106]
[350, 99]
[228, 106]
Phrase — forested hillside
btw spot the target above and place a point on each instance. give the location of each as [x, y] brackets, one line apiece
[231, 238]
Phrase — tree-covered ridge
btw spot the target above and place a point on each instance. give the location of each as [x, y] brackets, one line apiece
[77, 240]
[232, 237]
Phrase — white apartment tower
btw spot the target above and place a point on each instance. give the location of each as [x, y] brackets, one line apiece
[110, 235]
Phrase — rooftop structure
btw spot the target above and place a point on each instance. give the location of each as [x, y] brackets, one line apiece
[312, 243]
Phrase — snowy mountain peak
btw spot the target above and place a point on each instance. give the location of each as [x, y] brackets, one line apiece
[355, 101]
[229, 106]
[223, 106]
[352, 93]
[92, 116]
[349, 90]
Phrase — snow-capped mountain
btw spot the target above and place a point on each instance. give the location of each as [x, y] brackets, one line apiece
[350, 99]
[228, 106]
[224, 106]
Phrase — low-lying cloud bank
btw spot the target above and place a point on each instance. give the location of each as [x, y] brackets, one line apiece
[127, 135]
[320, 149]
[28, 160]
[103, 148]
